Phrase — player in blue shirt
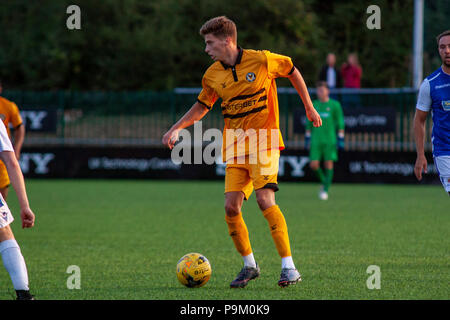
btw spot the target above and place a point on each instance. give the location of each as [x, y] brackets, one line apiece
[434, 95]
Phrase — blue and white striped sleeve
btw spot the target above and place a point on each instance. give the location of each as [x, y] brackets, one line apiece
[424, 99]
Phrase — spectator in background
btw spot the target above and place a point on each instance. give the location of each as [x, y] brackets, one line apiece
[351, 73]
[329, 73]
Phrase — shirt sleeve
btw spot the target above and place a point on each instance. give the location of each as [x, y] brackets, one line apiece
[16, 119]
[207, 96]
[424, 98]
[5, 143]
[278, 65]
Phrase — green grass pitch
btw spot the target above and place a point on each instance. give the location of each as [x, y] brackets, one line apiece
[127, 236]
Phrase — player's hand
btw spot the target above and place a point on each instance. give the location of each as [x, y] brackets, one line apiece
[27, 218]
[170, 138]
[314, 117]
[421, 165]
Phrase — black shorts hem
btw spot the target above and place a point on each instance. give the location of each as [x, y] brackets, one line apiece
[273, 186]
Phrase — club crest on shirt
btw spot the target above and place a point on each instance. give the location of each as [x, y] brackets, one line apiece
[446, 105]
[250, 77]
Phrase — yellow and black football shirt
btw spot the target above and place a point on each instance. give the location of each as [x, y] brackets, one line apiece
[9, 113]
[249, 100]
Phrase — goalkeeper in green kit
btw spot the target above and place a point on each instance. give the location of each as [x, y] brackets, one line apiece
[323, 142]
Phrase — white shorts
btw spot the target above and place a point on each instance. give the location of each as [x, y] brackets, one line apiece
[443, 168]
[5, 214]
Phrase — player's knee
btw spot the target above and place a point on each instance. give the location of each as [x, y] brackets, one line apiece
[232, 209]
[6, 233]
[264, 201]
[329, 165]
[263, 204]
[314, 165]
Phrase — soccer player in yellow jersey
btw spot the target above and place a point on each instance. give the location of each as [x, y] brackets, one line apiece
[9, 114]
[245, 81]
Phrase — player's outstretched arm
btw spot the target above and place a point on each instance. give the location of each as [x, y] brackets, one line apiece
[197, 112]
[300, 85]
[19, 137]
[419, 135]
[16, 177]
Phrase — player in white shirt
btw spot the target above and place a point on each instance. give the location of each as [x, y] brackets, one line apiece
[434, 96]
[9, 249]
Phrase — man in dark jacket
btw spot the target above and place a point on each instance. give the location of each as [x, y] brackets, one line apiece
[329, 73]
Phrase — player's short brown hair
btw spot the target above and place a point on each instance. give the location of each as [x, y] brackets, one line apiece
[322, 84]
[443, 34]
[220, 27]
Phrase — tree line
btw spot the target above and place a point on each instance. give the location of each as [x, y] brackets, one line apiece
[155, 44]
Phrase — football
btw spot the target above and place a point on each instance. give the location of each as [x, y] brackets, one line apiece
[193, 270]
